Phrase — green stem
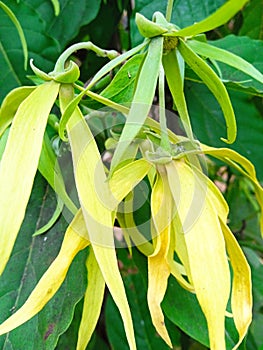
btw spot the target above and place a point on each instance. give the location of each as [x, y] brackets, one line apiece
[60, 65]
[169, 10]
[165, 144]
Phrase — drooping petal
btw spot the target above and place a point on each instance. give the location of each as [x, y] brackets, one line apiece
[92, 302]
[206, 250]
[158, 268]
[19, 162]
[52, 278]
[243, 165]
[126, 178]
[241, 298]
[94, 196]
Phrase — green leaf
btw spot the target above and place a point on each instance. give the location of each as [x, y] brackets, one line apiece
[41, 46]
[78, 14]
[30, 258]
[252, 25]
[121, 88]
[19, 30]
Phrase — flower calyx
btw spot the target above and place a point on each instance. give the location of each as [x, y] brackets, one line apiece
[70, 74]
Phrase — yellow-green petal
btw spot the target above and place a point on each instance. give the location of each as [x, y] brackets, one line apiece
[241, 298]
[52, 278]
[92, 302]
[158, 268]
[244, 166]
[206, 251]
[19, 163]
[93, 192]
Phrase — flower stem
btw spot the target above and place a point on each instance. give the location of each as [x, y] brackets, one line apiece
[60, 65]
[169, 10]
[165, 143]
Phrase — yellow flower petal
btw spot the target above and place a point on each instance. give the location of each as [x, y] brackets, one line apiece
[244, 166]
[92, 302]
[52, 278]
[241, 298]
[94, 195]
[206, 251]
[158, 269]
[19, 163]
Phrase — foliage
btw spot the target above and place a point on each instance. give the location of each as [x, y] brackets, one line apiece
[94, 193]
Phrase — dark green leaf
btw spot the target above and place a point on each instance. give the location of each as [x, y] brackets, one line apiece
[41, 47]
[253, 20]
[73, 15]
[30, 259]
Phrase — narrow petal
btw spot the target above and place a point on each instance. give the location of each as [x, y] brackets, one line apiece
[52, 278]
[92, 302]
[158, 269]
[126, 178]
[142, 100]
[19, 163]
[241, 298]
[244, 166]
[206, 251]
[215, 85]
[222, 15]
[94, 196]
